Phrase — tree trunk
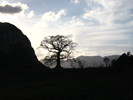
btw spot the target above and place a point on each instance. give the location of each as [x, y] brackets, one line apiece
[106, 64]
[58, 61]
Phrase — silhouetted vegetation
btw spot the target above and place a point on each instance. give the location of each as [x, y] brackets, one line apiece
[77, 62]
[60, 48]
[106, 61]
[124, 61]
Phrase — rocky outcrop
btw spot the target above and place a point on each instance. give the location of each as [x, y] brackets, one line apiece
[15, 48]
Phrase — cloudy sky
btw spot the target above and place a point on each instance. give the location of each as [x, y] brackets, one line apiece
[100, 27]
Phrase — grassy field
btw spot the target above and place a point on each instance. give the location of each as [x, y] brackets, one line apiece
[67, 84]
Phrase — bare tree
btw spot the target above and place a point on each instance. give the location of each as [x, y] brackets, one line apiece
[106, 61]
[60, 48]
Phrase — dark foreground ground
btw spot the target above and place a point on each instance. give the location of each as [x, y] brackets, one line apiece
[81, 84]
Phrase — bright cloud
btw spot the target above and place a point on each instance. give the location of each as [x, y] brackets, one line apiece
[52, 16]
[75, 1]
[31, 14]
[113, 30]
[109, 12]
[102, 28]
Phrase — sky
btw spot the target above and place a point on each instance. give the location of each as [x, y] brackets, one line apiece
[100, 27]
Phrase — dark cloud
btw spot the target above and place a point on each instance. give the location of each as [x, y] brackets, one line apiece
[9, 9]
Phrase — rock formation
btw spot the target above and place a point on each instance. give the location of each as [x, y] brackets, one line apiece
[15, 48]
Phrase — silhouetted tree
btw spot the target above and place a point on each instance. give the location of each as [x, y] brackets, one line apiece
[60, 47]
[106, 61]
[129, 54]
[81, 63]
[73, 62]
[77, 62]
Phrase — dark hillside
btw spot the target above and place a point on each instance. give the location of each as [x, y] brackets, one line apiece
[15, 48]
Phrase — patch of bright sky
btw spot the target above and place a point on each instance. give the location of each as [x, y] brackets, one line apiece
[100, 27]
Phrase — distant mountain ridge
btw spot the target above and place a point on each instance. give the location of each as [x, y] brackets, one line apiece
[88, 61]
[96, 61]
[91, 61]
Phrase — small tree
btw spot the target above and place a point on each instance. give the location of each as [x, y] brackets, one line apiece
[106, 61]
[73, 62]
[129, 54]
[77, 62]
[60, 47]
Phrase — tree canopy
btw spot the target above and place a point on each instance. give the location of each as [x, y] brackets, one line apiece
[60, 48]
[106, 61]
